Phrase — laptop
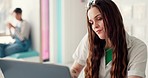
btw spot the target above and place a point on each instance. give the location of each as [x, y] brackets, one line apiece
[21, 69]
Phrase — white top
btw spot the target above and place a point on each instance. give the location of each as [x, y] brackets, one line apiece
[137, 56]
[24, 31]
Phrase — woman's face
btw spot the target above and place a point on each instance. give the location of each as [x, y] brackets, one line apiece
[96, 20]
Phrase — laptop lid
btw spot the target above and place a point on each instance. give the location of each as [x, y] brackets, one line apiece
[21, 69]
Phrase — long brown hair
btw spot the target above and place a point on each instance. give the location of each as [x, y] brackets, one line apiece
[114, 28]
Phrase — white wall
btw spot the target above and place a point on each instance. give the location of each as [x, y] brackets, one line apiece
[135, 17]
[53, 37]
[31, 13]
[74, 26]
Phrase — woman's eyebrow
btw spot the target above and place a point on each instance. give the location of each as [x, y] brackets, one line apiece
[97, 15]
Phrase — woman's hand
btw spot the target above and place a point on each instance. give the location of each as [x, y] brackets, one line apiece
[134, 77]
[74, 73]
[76, 69]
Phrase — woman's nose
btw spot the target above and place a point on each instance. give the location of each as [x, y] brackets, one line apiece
[96, 25]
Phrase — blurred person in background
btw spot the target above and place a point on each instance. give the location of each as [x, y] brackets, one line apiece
[20, 33]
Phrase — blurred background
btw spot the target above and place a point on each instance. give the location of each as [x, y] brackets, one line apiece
[31, 13]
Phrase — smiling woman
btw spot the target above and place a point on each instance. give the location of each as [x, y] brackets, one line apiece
[108, 48]
[96, 20]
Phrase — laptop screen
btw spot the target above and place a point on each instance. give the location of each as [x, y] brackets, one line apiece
[21, 69]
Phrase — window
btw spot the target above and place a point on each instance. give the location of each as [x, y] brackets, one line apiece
[5, 6]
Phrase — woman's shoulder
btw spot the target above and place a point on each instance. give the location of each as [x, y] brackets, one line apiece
[136, 46]
[137, 56]
[134, 41]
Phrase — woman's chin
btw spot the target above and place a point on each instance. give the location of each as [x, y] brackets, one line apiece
[101, 37]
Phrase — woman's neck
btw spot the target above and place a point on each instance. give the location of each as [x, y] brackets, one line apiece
[108, 43]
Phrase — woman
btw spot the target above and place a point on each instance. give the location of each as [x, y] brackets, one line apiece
[109, 52]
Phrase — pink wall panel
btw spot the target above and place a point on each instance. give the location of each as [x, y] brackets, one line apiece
[45, 29]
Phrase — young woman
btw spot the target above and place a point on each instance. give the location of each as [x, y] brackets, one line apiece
[107, 51]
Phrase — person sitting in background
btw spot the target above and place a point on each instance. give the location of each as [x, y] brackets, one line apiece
[108, 51]
[21, 35]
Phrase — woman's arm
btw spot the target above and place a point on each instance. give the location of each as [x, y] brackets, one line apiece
[137, 56]
[134, 77]
[76, 69]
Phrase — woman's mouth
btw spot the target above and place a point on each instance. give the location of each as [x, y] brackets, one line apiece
[98, 31]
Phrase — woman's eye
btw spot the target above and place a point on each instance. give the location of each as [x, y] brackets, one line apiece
[100, 18]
